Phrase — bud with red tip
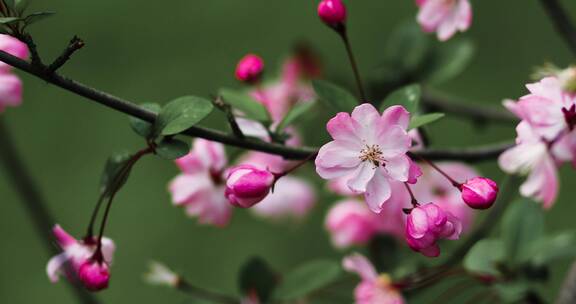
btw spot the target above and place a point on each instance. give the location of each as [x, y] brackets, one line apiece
[247, 185]
[94, 275]
[332, 12]
[250, 68]
[479, 192]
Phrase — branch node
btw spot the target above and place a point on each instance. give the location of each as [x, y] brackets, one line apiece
[74, 45]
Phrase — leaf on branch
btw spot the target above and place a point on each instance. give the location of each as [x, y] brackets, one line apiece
[334, 96]
[406, 48]
[447, 60]
[141, 127]
[408, 97]
[38, 16]
[181, 114]
[21, 5]
[522, 225]
[246, 104]
[422, 120]
[171, 148]
[551, 248]
[295, 113]
[484, 257]
[112, 180]
[257, 276]
[8, 20]
[307, 278]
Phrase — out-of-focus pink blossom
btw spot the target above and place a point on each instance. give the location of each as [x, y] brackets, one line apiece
[479, 192]
[427, 224]
[200, 188]
[78, 253]
[293, 197]
[350, 222]
[445, 17]
[332, 12]
[250, 68]
[10, 91]
[247, 185]
[369, 149]
[13, 47]
[373, 288]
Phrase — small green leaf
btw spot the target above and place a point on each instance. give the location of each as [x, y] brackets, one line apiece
[296, 112]
[246, 104]
[512, 292]
[307, 278]
[38, 16]
[447, 61]
[8, 20]
[141, 127]
[407, 47]
[551, 248]
[9, 3]
[256, 275]
[408, 97]
[21, 5]
[422, 120]
[114, 175]
[181, 114]
[484, 257]
[522, 225]
[334, 96]
[170, 148]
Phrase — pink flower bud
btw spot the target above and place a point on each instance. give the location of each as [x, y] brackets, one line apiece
[479, 192]
[94, 275]
[250, 68]
[350, 222]
[427, 224]
[247, 185]
[332, 12]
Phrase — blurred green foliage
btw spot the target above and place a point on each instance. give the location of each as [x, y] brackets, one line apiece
[152, 51]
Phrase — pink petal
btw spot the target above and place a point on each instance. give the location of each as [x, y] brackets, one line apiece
[56, 266]
[343, 128]
[396, 115]
[63, 238]
[394, 141]
[398, 168]
[377, 192]
[185, 187]
[292, 197]
[361, 176]
[360, 265]
[338, 154]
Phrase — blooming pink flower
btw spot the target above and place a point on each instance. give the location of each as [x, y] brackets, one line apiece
[76, 255]
[13, 47]
[350, 222]
[332, 12]
[247, 185]
[10, 90]
[373, 289]
[479, 192]
[531, 156]
[427, 224]
[250, 68]
[292, 197]
[200, 188]
[445, 17]
[370, 150]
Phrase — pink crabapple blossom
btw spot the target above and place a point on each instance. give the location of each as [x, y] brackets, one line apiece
[369, 150]
[479, 192]
[293, 197]
[78, 256]
[13, 47]
[373, 288]
[247, 185]
[445, 17]
[201, 185]
[10, 91]
[332, 12]
[250, 68]
[428, 223]
[350, 222]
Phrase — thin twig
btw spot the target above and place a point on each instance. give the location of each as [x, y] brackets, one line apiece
[561, 21]
[74, 45]
[33, 201]
[124, 106]
[225, 107]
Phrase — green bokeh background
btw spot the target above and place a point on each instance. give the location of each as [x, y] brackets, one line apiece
[154, 51]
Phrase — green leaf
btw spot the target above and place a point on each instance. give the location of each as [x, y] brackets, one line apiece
[408, 97]
[111, 180]
[246, 104]
[256, 275]
[448, 60]
[170, 148]
[141, 127]
[296, 112]
[38, 16]
[551, 248]
[8, 20]
[421, 120]
[407, 47]
[181, 114]
[484, 257]
[307, 278]
[512, 292]
[522, 225]
[334, 96]
[21, 5]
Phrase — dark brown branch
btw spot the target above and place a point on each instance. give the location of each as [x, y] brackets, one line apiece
[225, 107]
[74, 45]
[17, 173]
[124, 106]
[561, 21]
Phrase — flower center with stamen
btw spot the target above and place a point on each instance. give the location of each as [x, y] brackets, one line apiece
[373, 154]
